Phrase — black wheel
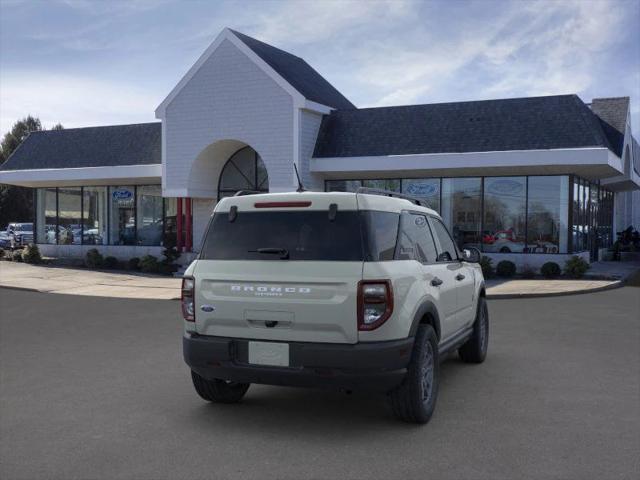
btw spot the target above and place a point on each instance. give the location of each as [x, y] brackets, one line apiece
[475, 349]
[219, 391]
[415, 399]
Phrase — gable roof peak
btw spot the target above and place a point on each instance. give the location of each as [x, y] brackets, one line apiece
[297, 73]
[292, 73]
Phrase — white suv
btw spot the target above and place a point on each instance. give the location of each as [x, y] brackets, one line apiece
[352, 291]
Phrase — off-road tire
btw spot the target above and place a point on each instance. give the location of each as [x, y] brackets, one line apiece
[219, 391]
[474, 350]
[415, 399]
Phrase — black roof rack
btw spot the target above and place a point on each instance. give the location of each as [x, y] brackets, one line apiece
[389, 193]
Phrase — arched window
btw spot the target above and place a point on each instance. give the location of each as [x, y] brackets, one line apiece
[243, 171]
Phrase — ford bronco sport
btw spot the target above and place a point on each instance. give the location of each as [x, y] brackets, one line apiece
[361, 290]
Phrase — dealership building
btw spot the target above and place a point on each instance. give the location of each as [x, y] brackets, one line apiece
[527, 179]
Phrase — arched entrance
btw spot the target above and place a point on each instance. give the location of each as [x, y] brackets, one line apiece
[244, 170]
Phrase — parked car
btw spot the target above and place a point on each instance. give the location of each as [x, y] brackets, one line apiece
[5, 241]
[19, 234]
[355, 291]
[503, 241]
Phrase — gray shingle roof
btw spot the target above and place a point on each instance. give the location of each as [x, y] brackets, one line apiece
[298, 73]
[532, 123]
[613, 115]
[115, 145]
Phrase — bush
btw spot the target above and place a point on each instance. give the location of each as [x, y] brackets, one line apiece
[31, 254]
[1, 252]
[506, 268]
[149, 264]
[576, 267]
[16, 256]
[110, 262]
[167, 269]
[134, 263]
[528, 271]
[550, 270]
[487, 267]
[94, 259]
[170, 254]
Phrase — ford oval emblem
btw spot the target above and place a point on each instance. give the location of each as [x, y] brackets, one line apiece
[122, 194]
[207, 308]
[506, 187]
[423, 189]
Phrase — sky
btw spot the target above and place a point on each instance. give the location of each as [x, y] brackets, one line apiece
[86, 63]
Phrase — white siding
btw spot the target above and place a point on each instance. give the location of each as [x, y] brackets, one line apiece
[627, 210]
[309, 127]
[229, 97]
[202, 208]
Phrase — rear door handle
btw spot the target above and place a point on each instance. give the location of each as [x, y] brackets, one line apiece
[436, 282]
[460, 277]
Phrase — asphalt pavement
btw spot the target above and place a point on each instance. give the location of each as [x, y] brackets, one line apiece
[95, 388]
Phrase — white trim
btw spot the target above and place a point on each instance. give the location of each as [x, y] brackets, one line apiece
[456, 161]
[175, 192]
[137, 174]
[163, 154]
[317, 107]
[296, 143]
[227, 34]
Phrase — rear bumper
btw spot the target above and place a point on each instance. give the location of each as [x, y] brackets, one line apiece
[377, 366]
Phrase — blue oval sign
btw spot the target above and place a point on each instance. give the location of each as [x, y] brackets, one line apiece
[122, 194]
[506, 187]
[422, 189]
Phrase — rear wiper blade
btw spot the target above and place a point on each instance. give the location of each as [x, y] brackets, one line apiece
[283, 252]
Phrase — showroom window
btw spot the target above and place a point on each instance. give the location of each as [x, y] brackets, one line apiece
[505, 203]
[391, 185]
[122, 219]
[100, 215]
[342, 185]
[462, 209]
[94, 215]
[46, 215]
[149, 215]
[521, 214]
[548, 208]
[69, 216]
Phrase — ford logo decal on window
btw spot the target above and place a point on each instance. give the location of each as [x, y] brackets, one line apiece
[422, 189]
[122, 194]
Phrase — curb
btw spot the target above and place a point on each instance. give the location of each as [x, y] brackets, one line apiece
[490, 296]
[506, 296]
[25, 289]
[28, 289]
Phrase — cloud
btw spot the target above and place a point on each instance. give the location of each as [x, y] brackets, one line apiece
[73, 101]
[536, 48]
[376, 52]
[296, 22]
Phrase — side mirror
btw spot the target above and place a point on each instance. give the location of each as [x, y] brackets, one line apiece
[471, 255]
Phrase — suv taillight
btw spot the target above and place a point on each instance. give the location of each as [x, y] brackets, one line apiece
[187, 299]
[375, 303]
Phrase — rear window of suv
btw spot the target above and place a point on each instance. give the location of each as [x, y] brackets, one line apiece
[308, 235]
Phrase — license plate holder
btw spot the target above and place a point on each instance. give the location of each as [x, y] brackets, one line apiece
[269, 353]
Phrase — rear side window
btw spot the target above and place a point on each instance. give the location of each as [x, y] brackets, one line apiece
[379, 233]
[415, 241]
[308, 235]
[448, 250]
